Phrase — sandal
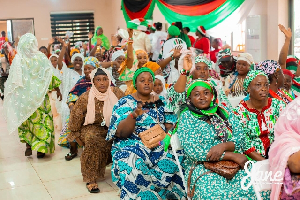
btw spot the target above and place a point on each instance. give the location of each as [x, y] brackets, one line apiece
[92, 187]
[40, 155]
[70, 156]
[28, 151]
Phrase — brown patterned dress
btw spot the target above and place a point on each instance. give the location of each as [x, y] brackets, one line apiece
[96, 150]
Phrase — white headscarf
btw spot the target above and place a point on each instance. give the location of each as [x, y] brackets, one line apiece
[164, 92]
[123, 34]
[77, 55]
[27, 84]
[245, 57]
[117, 54]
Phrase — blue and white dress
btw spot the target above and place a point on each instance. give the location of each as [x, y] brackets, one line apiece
[139, 172]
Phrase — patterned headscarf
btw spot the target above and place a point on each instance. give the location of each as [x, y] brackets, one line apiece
[139, 71]
[224, 53]
[204, 60]
[251, 75]
[91, 61]
[268, 66]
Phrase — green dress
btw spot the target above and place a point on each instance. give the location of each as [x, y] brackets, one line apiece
[197, 137]
[38, 129]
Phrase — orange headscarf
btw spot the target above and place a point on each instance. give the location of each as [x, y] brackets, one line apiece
[152, 65]
[124, 63]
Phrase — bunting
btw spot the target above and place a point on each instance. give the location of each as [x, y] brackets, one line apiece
[192, 13]
[206, 13]
[133, 9]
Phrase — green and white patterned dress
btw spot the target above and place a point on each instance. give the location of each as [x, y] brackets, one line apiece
[197, 137]
[258, 127]
[38, 129]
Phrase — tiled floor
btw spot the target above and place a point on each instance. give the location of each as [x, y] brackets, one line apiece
[29, 178]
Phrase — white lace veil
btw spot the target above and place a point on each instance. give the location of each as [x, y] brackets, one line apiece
[27, 84]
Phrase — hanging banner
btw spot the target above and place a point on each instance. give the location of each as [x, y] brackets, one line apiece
[193, 13]
[133, 9]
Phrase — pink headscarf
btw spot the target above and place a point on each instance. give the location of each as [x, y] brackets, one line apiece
[287, 142]
[108, 97]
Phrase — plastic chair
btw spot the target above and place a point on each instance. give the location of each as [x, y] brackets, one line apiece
[262, 182]
[175, 147]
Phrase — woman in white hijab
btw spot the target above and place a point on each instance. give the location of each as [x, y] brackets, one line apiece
[26, 105]
[68, 78]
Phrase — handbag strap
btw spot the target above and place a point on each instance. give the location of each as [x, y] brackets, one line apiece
[189, 192]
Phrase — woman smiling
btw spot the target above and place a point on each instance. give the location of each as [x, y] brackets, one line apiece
[210, 133]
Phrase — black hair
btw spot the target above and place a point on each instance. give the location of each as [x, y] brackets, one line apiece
[187, 29]
[43, 47]
[158, 26]
[3, 32]
[179, 25]
[100, 72]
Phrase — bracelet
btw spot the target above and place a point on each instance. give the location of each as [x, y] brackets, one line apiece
[184, 72]
[172, 57]
[131, 115]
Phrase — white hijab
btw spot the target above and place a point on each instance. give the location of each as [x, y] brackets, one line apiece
[28, 82]
[164, 92]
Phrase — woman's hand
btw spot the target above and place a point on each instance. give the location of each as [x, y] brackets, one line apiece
[78, 140]
[51, 41]
[287, 32]
[240, 159]
[187, 62]
[90, 35]
[177, 50]
[138, 111]
[116, 64]
[84, 46]
[130, 32]
[99, 42]
[215, 153]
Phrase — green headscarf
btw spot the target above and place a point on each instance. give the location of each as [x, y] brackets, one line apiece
[213, 104]
[251, 75]
[104, 39]
[141, 70]
[217, 115]
[173, 31]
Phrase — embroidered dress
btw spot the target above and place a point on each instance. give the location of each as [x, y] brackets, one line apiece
[197, 137]
[139, 172]
[177, 100]
[38, 129]
[258, 126]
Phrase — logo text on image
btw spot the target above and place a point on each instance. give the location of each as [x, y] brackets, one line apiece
[258, 176]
